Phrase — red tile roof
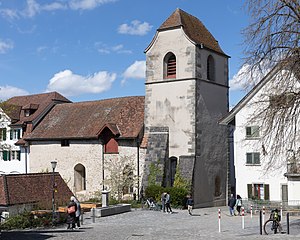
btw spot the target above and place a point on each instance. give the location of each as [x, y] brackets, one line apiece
[85, 120]
[193, 28]
[33, 188]
[38, 102]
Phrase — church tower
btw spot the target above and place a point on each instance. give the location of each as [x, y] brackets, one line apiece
[186, 95]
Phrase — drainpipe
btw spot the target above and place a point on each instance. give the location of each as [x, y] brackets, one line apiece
[103, 145]
[26, 159]
[138, 167]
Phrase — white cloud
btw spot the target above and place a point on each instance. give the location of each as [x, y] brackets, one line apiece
[54, 6]
[246, 77]
[137, 70]
[87, 4]
[70, 84]
[9, 14]
[136, 28]
[5, 46]
[31, 9]
[104, 49]
[9, 91]
[34, 7]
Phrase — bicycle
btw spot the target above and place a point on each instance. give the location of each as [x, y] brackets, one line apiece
[273, 225]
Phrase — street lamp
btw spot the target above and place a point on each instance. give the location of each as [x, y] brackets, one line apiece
[53, 164]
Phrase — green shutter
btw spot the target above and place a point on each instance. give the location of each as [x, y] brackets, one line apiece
[4, 134]
[249, 187]
[249, 158]
[267, 192]
[18, 133]
[11, 134]
[19, 155]
[5, 156]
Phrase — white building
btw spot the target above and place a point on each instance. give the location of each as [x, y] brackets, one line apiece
[255, 177]
[18, 117]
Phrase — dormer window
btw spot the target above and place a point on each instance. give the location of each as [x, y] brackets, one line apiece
[27, 112]
[29, 109]
[210, 68]
[170, 66]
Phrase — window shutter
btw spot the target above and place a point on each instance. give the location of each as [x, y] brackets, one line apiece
[5, 156]
[19, 134]
[4, 134]
[19, 155]
[267, 192]
[249, 158]
[171, 68]
[11, 134]
[249, 187]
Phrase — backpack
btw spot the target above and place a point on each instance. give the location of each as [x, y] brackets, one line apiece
[71, 209]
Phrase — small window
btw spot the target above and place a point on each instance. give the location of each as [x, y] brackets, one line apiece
[65, 143]
[210, 68]
[15, 134]
[27, 113]
[15, 155]
[253, 158]
[170, 66]
[252, 132]
[6, 155]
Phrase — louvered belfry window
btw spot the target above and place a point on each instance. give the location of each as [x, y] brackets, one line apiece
[171, 66]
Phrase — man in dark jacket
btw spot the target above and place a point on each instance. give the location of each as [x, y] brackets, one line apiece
[231, 204]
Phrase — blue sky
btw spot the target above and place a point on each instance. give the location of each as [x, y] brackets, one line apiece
[94, 49]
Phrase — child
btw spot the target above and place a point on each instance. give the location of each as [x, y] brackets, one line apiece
[190, 203]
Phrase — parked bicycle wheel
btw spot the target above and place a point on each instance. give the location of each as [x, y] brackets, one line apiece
[272, 227]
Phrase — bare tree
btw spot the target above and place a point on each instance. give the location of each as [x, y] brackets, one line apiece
[272, 42]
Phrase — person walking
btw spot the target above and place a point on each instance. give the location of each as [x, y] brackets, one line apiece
[71, 209]
[238, 204]
[190, 203]
[78, 212]
[231, 204]
[168, 201]
[163, 201]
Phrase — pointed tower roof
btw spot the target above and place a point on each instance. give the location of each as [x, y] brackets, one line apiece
[193, 28]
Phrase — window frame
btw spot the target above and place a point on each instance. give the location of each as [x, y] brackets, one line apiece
[253, 162]
[251, 191]
[170, 66]
[254, 132]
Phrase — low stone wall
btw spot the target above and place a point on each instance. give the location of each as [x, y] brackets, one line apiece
[111, 210]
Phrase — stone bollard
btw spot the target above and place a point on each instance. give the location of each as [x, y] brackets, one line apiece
[105, 198]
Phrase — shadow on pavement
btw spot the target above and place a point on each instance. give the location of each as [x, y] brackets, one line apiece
[40, 234]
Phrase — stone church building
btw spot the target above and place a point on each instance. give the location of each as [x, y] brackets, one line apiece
[174, 126]
[186, 95]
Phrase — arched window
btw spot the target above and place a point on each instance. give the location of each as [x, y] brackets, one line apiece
[79, 178]
[170, 66]
[210, 68]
